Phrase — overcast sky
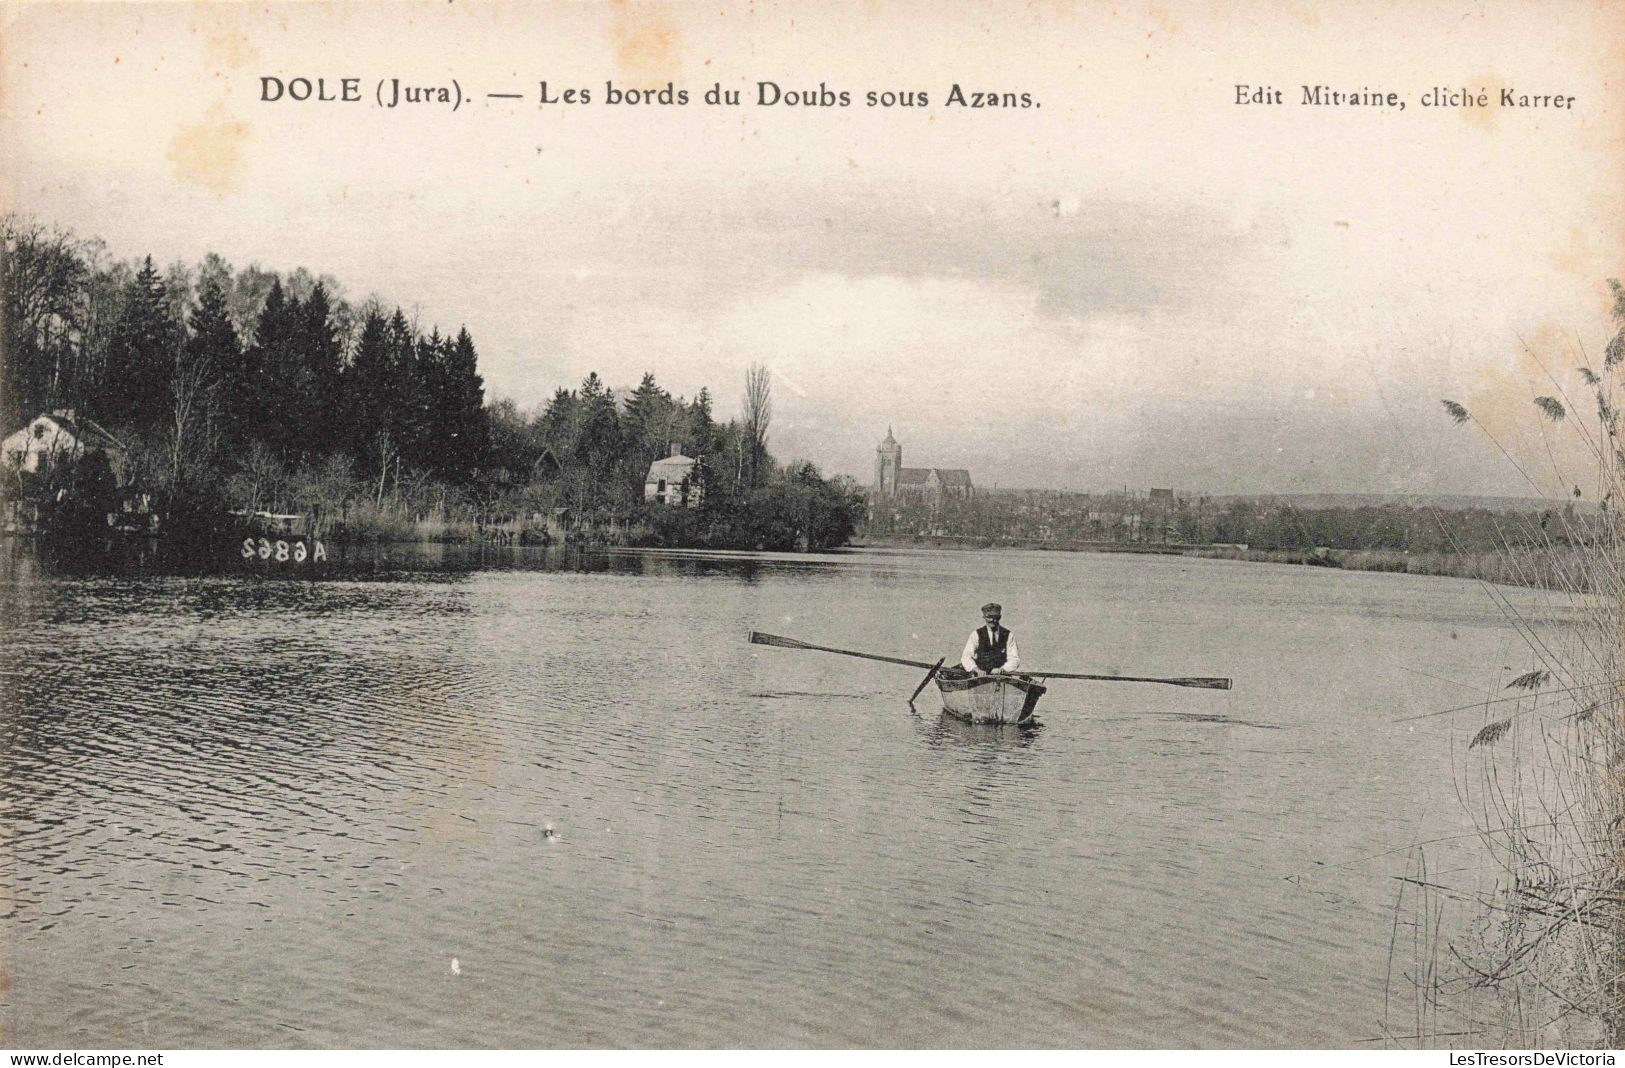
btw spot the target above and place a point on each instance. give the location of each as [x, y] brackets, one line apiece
[1137, 282]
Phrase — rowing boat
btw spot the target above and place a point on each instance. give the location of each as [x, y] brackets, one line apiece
[988, 698]
[983, 698]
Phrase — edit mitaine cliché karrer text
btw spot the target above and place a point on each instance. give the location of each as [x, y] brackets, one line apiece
[1437, 96]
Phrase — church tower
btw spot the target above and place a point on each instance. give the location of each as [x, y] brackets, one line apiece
[888, 462]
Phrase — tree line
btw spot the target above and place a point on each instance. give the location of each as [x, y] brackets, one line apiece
[1120, 518]
[253, 389]
[590, 454]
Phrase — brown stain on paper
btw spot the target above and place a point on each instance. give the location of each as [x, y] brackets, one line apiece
[645, 40]
[1484, 118]
[1502, 399]
[1163, 19]
[224, 41]
[1576, 254]
[211, 153]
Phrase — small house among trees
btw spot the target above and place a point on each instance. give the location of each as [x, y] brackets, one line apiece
[56, 438]
[673, 481]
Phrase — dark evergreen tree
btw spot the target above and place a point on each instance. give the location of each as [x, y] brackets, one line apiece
[403, 342]
[213, 339]
[213, 359]
[369, 388]
[702, 428]
[423, 384]
[322, 405]
[559, 427]
[514, 443]
[375, 396]
[596, 443]
[642, 416]
[141, 354]
[600, 437]
[273, 413]
[243, 384]
[463, 414]
[400, 344]
[649, 428]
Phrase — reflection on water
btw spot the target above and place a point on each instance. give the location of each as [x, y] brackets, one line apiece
[125, 558]
[939, 728]
[248, 810]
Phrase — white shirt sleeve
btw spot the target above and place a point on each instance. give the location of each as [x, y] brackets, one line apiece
[1012, 659]
[967, 659]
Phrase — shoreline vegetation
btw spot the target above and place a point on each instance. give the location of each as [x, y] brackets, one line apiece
[1540, 962]
[1536, 568]
[167, 400]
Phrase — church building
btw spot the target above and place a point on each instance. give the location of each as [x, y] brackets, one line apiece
[934, 484]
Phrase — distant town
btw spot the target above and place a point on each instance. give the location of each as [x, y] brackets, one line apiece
[945, 504]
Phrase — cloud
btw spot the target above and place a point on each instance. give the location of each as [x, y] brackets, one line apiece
[1081, 255]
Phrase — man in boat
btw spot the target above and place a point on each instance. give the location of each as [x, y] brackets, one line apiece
[991, 649]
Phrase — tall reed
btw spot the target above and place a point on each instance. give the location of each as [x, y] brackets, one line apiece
[1544, 964]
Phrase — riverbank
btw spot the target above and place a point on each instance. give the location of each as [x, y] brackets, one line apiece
[1553, 568]
[931, 541]
[1557, 567]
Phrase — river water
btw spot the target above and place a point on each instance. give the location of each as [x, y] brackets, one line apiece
[524, 800]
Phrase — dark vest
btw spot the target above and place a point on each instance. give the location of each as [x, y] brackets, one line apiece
[990, 654]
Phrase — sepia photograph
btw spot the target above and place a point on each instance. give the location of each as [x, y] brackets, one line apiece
[642, 525]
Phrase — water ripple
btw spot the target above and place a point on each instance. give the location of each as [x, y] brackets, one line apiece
[269, 813]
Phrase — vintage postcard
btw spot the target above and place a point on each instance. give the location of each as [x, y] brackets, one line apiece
[920, 525]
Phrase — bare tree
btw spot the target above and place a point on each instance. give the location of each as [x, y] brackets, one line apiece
[43, 278]
[260, 479]
[103, 301]
[387, 451]
[323, 490]
[758, 414]
[180, 289]
[192, 424]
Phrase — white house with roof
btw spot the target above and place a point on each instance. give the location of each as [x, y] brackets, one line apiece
[673, 480]
[56, 437]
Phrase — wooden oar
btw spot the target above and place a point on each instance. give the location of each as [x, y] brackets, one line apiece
[1205, 684]
[929, 675]
[758, 638]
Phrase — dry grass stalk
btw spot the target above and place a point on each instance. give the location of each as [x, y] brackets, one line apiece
[1546, 788]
